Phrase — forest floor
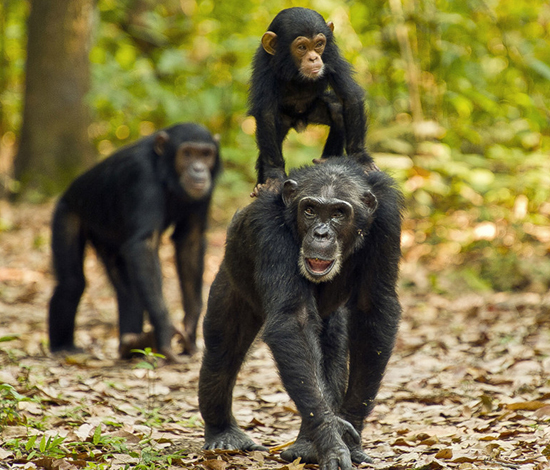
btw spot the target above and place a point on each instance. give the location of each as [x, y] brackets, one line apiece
[468, 386]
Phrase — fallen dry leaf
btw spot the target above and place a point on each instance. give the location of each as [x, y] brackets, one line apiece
[526, 405]
[466, 388]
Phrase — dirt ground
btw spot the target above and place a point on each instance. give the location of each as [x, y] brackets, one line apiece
[468, 386]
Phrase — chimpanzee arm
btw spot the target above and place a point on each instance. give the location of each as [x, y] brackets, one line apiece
[189, 241]
[142, 212]
[270, 134]
[141, 256]
[372, 336]
[265, 100]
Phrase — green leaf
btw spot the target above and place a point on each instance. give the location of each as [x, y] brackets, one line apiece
[144, 365]
[30, 443]
[97, 435]
[43, 443]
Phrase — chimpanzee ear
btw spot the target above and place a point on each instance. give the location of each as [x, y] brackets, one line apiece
[330, 24]
[160, 141]
[269, 42]
[369, 199]
[290, 188]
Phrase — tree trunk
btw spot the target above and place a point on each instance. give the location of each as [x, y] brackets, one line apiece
[54, 145]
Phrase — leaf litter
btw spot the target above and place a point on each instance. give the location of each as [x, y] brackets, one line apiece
[468, 386]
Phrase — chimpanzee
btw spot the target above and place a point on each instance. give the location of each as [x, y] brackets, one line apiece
[296, 63]
[122, 206]
[316, 267]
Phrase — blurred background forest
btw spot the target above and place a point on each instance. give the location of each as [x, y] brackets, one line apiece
[458, 95]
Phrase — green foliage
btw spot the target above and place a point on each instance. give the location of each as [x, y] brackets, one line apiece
[150, 364]
[95, 453]
[477, 181]
[9, 401]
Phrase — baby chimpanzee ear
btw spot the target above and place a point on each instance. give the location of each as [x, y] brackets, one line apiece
[369, 199]
[269, 42]
[290, 188]
[160, 141]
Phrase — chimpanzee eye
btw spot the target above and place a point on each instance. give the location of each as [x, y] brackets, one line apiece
[301, 48]
[338, 214]
[320, 44]
[309, 211]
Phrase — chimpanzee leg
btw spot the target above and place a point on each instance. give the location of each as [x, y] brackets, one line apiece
[190, 244]
[334, 146]
[229, 328]
[334, 347]
[329, 112]
[372, 333]
[68, 244]
[130, 309]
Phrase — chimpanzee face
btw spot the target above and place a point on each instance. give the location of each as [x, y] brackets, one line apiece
[193, 163]
[307, 55]
[306, 50]
[322, 225]
[327, 214]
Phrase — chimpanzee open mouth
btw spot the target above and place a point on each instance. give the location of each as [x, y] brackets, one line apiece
[319, 267]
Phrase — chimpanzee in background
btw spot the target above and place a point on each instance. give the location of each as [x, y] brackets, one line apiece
[122, 206]
[294, 67]
[316, 267]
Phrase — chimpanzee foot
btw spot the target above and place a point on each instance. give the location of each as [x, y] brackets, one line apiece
[273, 185]
[67, 351]
[230, 439]
[129, 342]
[370, 167]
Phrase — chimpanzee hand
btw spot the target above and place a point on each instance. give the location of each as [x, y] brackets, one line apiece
[356, 450]
[348, 440]
[332, 451]
[231, 438]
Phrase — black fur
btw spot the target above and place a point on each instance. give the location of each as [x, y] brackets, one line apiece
[312, 329]
[122, 205]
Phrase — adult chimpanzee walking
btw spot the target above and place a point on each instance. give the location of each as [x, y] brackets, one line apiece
[122, 206]
[316, 266]
[299, 77]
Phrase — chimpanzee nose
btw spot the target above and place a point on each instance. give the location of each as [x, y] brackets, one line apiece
[197, 170]
[321, 231]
